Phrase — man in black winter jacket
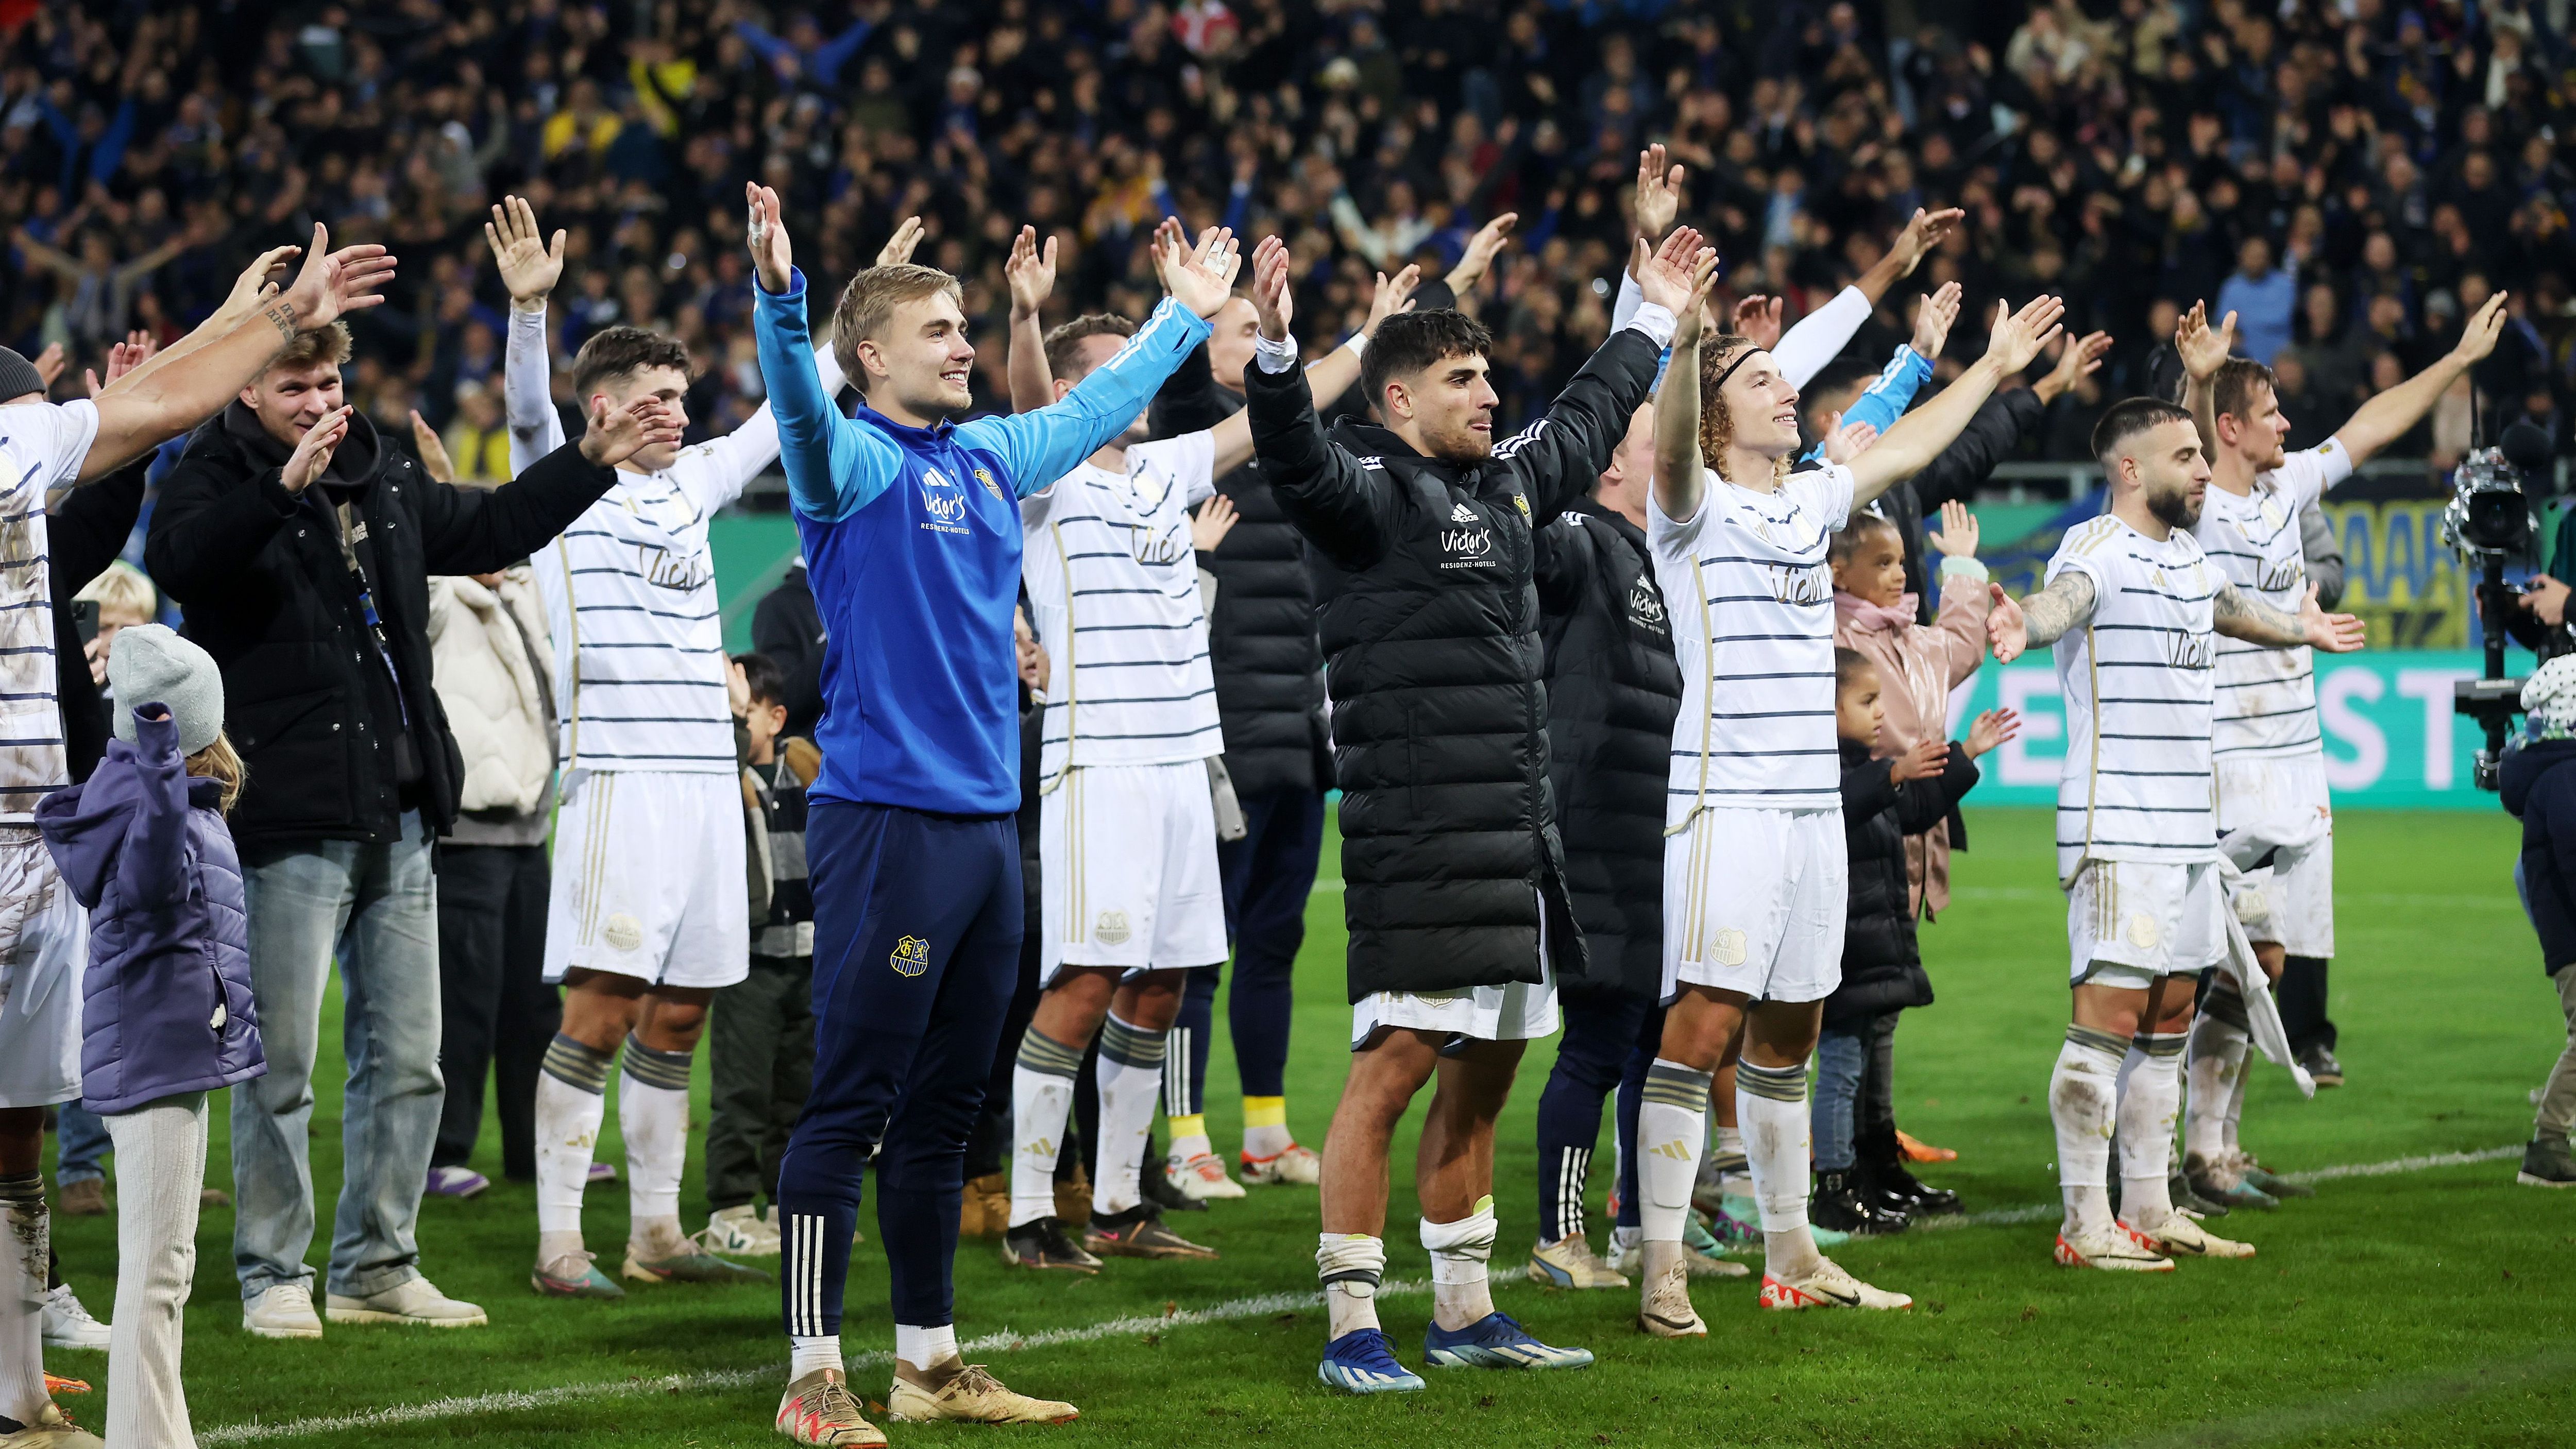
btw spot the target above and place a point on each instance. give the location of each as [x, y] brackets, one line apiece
[788, 630]
[1456, 895]
[299, 545]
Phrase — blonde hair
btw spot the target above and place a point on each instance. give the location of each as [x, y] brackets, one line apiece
[311, 349]
[122, 587]
[221, 762]
[867, 304]
[1717, 359]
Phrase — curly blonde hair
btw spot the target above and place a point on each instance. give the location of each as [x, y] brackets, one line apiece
[1718, 356]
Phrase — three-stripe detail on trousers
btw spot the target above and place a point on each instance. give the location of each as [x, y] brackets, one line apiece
[1571, 1167]
[803, 1265]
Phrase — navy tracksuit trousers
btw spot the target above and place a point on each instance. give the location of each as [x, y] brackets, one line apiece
[1610, 1039]
[917, 923]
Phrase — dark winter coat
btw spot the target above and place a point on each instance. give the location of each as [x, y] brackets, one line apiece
[2540, 789]
[261, 580]
[1613, 690]
[1990, 437]
[787, 627]
[1261, 633]
[1882, 964]
[166, 1002]
[1430, 628]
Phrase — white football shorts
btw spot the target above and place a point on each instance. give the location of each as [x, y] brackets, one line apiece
[2129, 922]
[2292, 902]
[1755, 902]
[1127, 854]
[649, 878]
[44, 947]
[1513, 1011]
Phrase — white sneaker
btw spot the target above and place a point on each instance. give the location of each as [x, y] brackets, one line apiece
[68, 1325]
[1665, 1310]
[1826, 1285]
[416, 1303]
[741, 1232]
[1202, 1178]
[2117, 1249]
[1291, 1165]
[282, 1310]
[2181, 1236]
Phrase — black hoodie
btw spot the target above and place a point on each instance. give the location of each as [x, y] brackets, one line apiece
[2537, 788]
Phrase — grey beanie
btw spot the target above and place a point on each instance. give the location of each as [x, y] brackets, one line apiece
[18, 376]
[151, 664]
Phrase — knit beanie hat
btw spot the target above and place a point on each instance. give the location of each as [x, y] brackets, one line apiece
[2549, 700]
[151, 664]
[18, 376]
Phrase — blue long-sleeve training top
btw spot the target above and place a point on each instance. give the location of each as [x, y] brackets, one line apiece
[1889, 396]
[912, 545]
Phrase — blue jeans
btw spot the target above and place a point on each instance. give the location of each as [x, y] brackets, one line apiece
[81, 1146]
[376, 908]
[1841, 1058]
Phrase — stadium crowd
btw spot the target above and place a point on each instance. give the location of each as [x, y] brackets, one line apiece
[2354, 180]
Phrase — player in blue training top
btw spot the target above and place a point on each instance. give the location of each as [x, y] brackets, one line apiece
[911, 527]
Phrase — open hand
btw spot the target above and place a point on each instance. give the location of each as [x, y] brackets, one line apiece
[1030, 271]
[2204, 348]
[907, 237]
[530, 265]
[313, 451]
[1957, 537]
[1846, 441]
[1214, 520]
[2078, 360]
[2007, 632]
[1481, 250]
[332, 284]
[2486, 325]
[1675, 276]
[1394, 295]
[1200, 278]
[771, 256]
[2334, 633]
[1659, 191]
[1922, 234]
[253, 285]
[1758, 318]
[1271, 296]
[433, 450]
[617, 434]
[1991, 729]
[1919, 763]
[1933, 318]
[2018, 336]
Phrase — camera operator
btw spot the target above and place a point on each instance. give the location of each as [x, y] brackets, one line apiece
[2539, 780]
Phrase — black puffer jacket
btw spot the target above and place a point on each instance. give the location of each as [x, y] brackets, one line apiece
[787, 627]
[1430, 629]
[260, 578]
[1882, 964]
[1613, 690]
[1261, 636]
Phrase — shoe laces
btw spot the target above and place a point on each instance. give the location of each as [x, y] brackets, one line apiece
[289, 1295]
[833, 1400]
[68, 1304]
[974, 1379]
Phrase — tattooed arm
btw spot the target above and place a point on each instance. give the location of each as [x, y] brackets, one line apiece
[2240, 617]
[2040, 619]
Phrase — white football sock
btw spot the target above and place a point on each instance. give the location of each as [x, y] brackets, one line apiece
[1771, 1105]
[653, 1116]
[804, 1354]
[1041, 1099]
[2146, 1125]
[1460, 1292]
[1350, 1265]
[2216, 1069]
[23, 1270]
[571, 1103]
[925, 1348]
[1672, 1125]
[2083, 1100]
[1130, 1075]
[2235, 1110]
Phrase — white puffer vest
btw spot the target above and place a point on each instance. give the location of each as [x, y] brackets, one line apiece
[492, 657]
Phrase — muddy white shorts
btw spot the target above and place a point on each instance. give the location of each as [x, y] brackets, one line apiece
[2129, 922]
[1127, 856]
[1755, 901]
[2291, 901]
[44, 947]
[649, 878]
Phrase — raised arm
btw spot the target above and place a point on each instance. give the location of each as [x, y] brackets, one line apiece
[2386, 418]
[1347, 511]
[1681, 476]
[530, 267]
[1031, 274]
[2203, 350]
[251, 290]
[2239, 615]
[834, 466]
[1914, 442]
[1566, 450]
[2041, 619]
[177, 396]
[1821, 335]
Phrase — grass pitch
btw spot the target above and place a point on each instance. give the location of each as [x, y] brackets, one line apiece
[2421, 1305]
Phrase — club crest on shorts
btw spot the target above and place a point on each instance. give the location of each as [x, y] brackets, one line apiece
[1111, 929]
[622, 932]
[1726, 947]
[911, 956]
[2143, 932]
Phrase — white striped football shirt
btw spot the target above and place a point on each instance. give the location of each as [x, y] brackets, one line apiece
[42, 446]
[2137, 678]
[1752, 604]
[1114, 585]
[630, 587]
[2267, 698]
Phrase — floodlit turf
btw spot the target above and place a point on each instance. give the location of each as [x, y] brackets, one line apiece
[2412, 1308]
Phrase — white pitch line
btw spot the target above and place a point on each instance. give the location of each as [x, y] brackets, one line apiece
[1006, 1341]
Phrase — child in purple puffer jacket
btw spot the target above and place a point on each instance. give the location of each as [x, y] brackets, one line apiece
[166, 1013]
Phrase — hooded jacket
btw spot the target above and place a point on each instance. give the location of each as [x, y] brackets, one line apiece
[1613, 691]
[1918, 666]
[1429, 620]
[264, 586]
[166, 1002]
[2539, 789]
[1882, 964]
